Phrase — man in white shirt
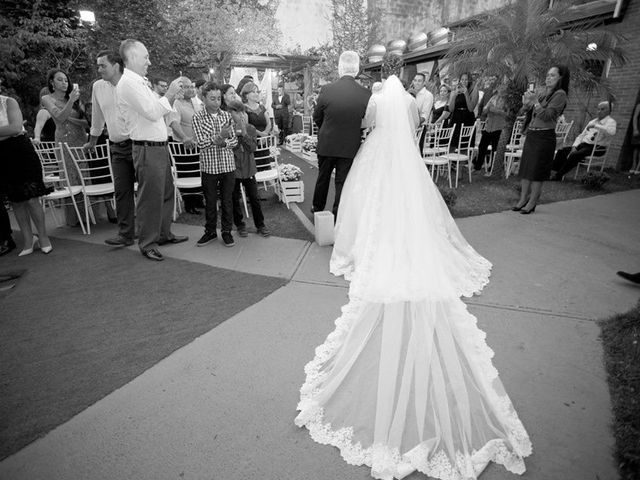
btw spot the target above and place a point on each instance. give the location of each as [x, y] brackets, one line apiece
[143, 113]
[424, 98]
[105, 110]
[598, 131]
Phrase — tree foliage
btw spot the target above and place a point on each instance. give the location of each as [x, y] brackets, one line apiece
[355, 25]
[217, 29]
[522, 40]
[148, 21]
[34, 37]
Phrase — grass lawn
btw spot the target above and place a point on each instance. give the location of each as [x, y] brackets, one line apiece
[620, 338]
[490, 195]
[483, 195]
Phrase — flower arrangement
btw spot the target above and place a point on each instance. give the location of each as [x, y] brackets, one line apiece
[310, 144]
[289, 173]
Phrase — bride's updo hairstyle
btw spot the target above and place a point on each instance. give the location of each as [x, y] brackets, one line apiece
[348, 64]
[391, 65]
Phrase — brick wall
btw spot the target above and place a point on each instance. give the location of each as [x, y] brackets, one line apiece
[625, 83]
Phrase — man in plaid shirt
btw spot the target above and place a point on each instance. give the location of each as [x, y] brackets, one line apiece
[215, 136]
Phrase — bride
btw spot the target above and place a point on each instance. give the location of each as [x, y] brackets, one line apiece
[405, 382]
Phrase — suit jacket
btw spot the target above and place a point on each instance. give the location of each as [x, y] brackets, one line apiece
[281, 108]
[338, 114]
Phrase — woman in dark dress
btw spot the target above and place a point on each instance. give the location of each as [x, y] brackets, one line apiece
[21, 177]
[540, 143]
[441, 105]
[257, 114]
[463, 101]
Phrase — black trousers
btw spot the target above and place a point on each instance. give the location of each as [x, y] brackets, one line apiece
[565, 160]
[487, 138]
[282, 121]
[210, 184]
[326, 165]
[251, 190]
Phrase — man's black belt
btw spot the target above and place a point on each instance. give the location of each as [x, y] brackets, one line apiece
[150, 144]
[123, 143]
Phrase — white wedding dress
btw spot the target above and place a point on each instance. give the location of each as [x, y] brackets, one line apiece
[405, 382]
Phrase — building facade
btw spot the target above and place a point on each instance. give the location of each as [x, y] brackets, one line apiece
[402, 18]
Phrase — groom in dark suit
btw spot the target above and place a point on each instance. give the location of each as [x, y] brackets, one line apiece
[338, 114]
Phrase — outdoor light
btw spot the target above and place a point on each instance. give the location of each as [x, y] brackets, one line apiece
[87, 16]
[211, 70]
[592, 47]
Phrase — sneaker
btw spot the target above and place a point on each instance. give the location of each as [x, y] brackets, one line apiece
[227, 238]
[264, 231]
[242, 231]
[208, 237]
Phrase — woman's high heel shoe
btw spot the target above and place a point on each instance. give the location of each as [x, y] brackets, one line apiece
[527, 212]
[46, 250]
[29, 251]
[517, 208]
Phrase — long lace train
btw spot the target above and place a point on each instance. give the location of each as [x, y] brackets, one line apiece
[405, 381]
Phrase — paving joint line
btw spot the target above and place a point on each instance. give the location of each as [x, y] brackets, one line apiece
[539, 311]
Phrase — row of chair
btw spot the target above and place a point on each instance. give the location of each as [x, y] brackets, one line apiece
[438, 154]
[95, 175]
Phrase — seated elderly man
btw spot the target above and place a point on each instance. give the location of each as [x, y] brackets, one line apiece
[598, 131]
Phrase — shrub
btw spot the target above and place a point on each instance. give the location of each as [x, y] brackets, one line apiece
[449, 196]
[594, 180]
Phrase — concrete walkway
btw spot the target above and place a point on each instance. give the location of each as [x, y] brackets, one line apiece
[222, 407]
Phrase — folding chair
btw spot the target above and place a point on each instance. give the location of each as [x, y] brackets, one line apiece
[269, 174]
[307, 121]
[436, 144]
[185, 164]
[562, 132]
[514, 149]
[462, 152]
[54, 173]
[96, 178]
[595, 159]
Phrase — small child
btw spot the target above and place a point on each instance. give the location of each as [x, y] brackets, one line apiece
[245, 170]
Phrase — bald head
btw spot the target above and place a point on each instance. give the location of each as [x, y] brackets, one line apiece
[135, 56]
[604, 109]
[349, 64]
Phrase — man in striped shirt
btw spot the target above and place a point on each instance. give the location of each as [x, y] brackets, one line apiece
[215, 137]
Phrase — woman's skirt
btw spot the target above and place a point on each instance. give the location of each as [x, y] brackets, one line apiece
[20, 170]
[537, 155]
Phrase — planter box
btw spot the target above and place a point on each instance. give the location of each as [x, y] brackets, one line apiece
[294, 191]
[294, 144]
[310, 155]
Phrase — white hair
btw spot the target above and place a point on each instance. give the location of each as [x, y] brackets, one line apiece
[349, 64]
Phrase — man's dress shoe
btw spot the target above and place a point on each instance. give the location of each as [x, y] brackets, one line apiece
[175, 239]
[632, 277]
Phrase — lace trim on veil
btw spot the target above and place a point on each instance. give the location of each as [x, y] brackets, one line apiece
[387, 463]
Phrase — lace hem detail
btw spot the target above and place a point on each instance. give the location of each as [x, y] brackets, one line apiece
[387, 463]
[477, 278]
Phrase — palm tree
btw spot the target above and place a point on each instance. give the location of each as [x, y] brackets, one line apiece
[522, 40]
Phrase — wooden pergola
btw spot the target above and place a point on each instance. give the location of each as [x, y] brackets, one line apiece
[284, 64]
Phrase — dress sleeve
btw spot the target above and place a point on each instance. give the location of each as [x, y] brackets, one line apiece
[370, 114]
[554, 107]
